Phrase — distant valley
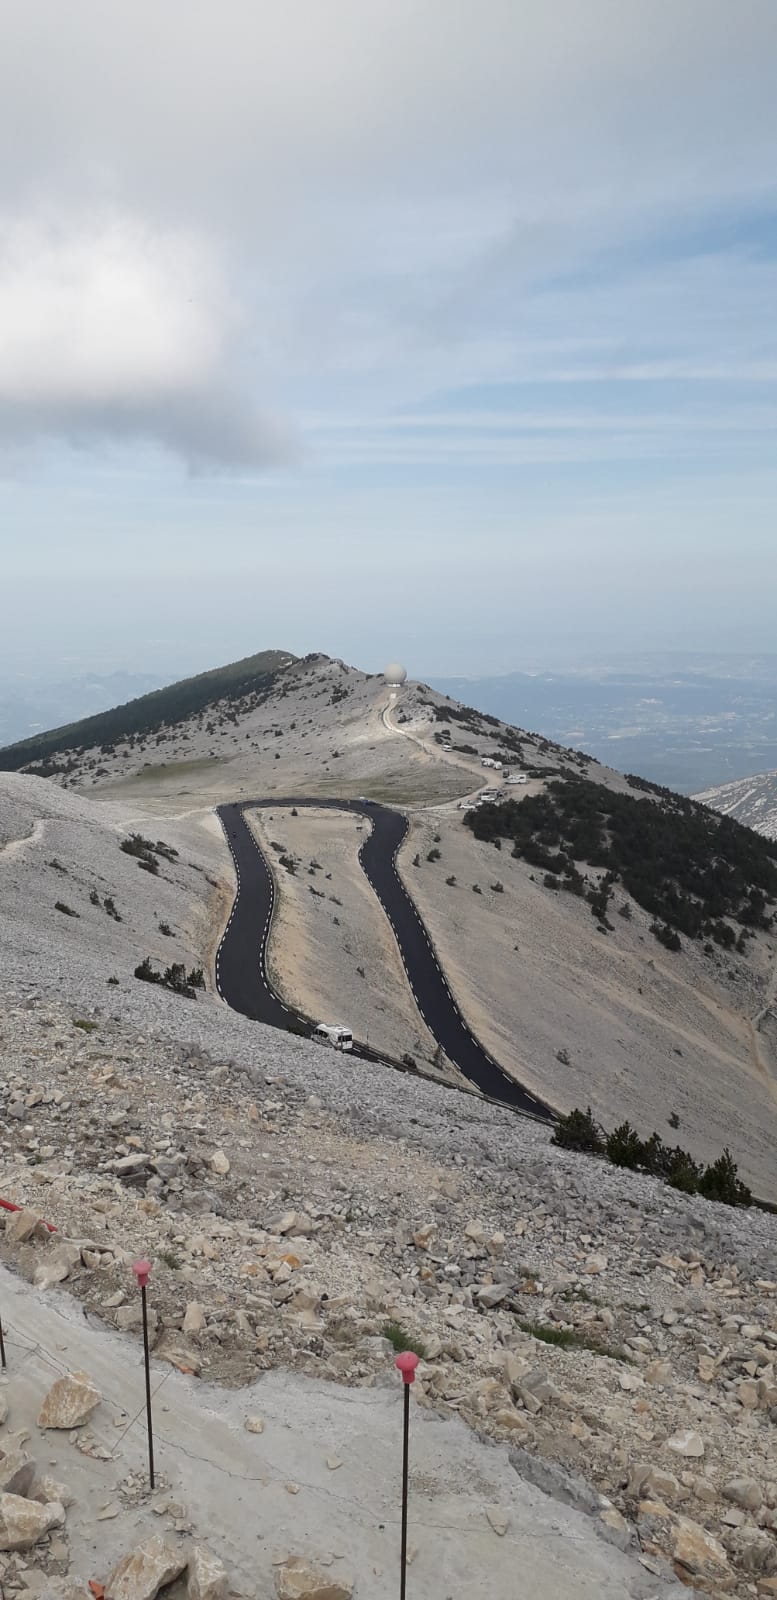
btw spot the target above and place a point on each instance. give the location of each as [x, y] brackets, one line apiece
[29, 703]
[689, 722]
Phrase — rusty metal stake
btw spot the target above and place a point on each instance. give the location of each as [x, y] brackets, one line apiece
[142, 1270]
[407, 1363]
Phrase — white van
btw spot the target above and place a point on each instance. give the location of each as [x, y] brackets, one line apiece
[333, 1034]
[517, 777]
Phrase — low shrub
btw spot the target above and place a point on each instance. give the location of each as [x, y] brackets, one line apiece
[624, 1146]
[174, 978]
[402, 1340]
[579, 1131]
[719, 1181]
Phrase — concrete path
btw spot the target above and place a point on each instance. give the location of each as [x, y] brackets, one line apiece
[235, 1485]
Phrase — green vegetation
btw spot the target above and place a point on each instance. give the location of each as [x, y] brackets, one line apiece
[67, 911]
[174, 978]
[87, 1027]
[684, 864]
[572, 1339]
[170, 1259]
[253, 676]
[402, 1340]
[146, 853]
[624, 1148]
[579, 1131]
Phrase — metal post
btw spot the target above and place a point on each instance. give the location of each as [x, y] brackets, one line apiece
[405, 1451]
[141, 1270]
[407, 1363]
[2, 1345]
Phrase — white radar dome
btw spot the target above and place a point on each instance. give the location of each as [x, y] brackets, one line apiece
[395, 673]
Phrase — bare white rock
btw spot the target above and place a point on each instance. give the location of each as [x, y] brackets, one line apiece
[744, 1492]
[17, 1471]
[142, 1574]
[686, 1443]
[194, 1317]
[69, 1402]
[56, 1265]
[24, 1522]
[206, 1578]
[23, 1225]
[298, 1579]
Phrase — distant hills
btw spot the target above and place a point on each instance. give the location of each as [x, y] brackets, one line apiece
[33, 701]
[686, 722]
[149, 712]
[752, 801]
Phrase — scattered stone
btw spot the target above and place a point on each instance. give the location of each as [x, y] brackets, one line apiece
[492, 1294]
[172, 1347]
[206, 1578]
[24, 1225]
[754, 1550]
[297, 1579]
[294, 1224]
[17, 1471]
[653, 1482]
[219, 1163]
[659, 1373]
[109, 1512]
[253, 1425]
[57, 1265]
[595, 1264]
[69, 1402]
[697, 1553]
[686, 1443]
[141, 1575]
[194, 1317]
[24, 1522]
[744, 1492]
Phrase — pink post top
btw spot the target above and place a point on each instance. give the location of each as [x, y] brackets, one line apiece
[407, 1363]
[141, 1270]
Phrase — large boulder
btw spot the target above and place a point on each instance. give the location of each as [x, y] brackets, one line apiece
[697, 1553]
[57, 1264]
[141, 1575]
[21, 1226]
[17, 1471]
[297, 1579]
[69, 1402]
[24, 1522]
[206, 1578]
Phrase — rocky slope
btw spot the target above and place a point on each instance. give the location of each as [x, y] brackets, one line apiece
[752, 801]
[618, 1339]
[578, 1011]
[296, 1205]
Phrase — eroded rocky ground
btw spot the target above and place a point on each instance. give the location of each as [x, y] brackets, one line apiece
[609, 1328]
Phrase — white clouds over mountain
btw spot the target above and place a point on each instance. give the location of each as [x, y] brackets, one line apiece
[257, 204]
[109, 326]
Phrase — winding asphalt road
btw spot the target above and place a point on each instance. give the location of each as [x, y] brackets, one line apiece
[241, 960]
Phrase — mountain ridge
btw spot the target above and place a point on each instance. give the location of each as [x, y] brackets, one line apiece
[146, 713]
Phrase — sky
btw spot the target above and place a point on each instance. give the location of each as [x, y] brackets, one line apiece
[445, 331]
